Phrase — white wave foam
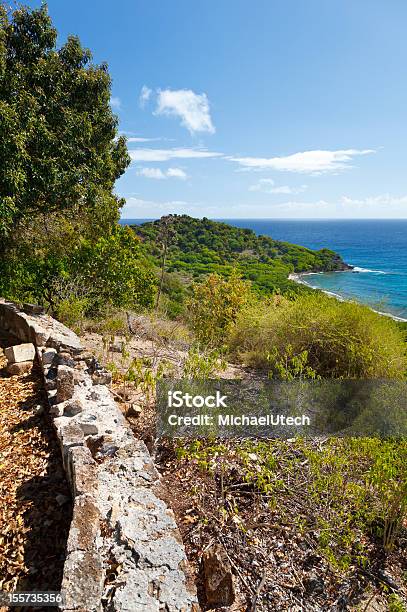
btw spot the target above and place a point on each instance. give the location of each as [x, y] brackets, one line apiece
[357, 269]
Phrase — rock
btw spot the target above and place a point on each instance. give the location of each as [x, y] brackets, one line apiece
[48, 356]
[80, 377]
[88, 424]
[83, 471]
[57, 410]
[33, 309]
[65, 359]
[65, 383]
[116, 347]
[218, 578]
[83, 581]
[20, 353]
[72, 407]
[50, 384]
[133, 410]
[38, 410]
[85, 525]
[69, 433]
[102, 377]
[17, 369]
[314, 584]
[61, 499]
[38, 334]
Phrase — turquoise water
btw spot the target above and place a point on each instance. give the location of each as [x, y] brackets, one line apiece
[377, 249]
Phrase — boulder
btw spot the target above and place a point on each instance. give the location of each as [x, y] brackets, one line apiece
[33, 309]
[218, 578]
[66, 359]
[20, 353]
[73, 407]
[133, 410]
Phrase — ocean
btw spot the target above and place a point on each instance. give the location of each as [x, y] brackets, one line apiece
[376, 248]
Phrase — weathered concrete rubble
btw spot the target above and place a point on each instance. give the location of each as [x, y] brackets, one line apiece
[124, 551]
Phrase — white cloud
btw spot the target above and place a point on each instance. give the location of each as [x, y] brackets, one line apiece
[141, 139]
[158, 174]
[306, 162]
[163, 155]
[268, 186]
[177, 173]
[380, 200]
[152, 173]
[145, 95]
[192, 108]
[383, 206]
[115, 102]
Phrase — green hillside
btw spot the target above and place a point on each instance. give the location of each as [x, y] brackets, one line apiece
[201, 246]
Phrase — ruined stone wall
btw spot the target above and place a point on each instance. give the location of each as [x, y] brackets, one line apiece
[124, 551]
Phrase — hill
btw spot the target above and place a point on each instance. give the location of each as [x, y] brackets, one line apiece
[201, 246]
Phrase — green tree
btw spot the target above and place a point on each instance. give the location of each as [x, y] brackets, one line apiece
[59, 148]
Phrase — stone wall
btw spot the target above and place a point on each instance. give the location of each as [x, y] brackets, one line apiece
[124, 551]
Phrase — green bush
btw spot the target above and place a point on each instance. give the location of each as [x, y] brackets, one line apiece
[339, 339]
[214, 306]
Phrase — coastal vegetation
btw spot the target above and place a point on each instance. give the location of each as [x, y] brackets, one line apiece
[197, 247]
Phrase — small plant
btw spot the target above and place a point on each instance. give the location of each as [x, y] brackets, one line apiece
[200, 366]
[396, 604]
[290, 366]
[388, 476]
[143, 376]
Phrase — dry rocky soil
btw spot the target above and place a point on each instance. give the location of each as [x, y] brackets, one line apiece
[35, 501]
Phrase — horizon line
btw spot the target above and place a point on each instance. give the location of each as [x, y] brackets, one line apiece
[276, 218]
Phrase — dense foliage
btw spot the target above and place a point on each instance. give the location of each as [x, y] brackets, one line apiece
[202, 246]
[215, 305]
[57, 131]
[316, 335]
[60, 154]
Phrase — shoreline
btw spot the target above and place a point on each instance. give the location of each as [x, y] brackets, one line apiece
[297, 278]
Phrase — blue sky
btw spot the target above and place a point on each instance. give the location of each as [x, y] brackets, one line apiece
[255, 109]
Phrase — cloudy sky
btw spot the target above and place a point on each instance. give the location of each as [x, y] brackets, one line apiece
[260, 109]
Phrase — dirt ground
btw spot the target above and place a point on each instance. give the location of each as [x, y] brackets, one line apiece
[35, 501]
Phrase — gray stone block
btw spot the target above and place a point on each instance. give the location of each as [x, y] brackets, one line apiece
[20, 353]
[83, 581]
[65, 383]
[48, 356]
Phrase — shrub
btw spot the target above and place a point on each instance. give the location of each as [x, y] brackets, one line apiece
[339, 339]
[203, 365]
[215, 305]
